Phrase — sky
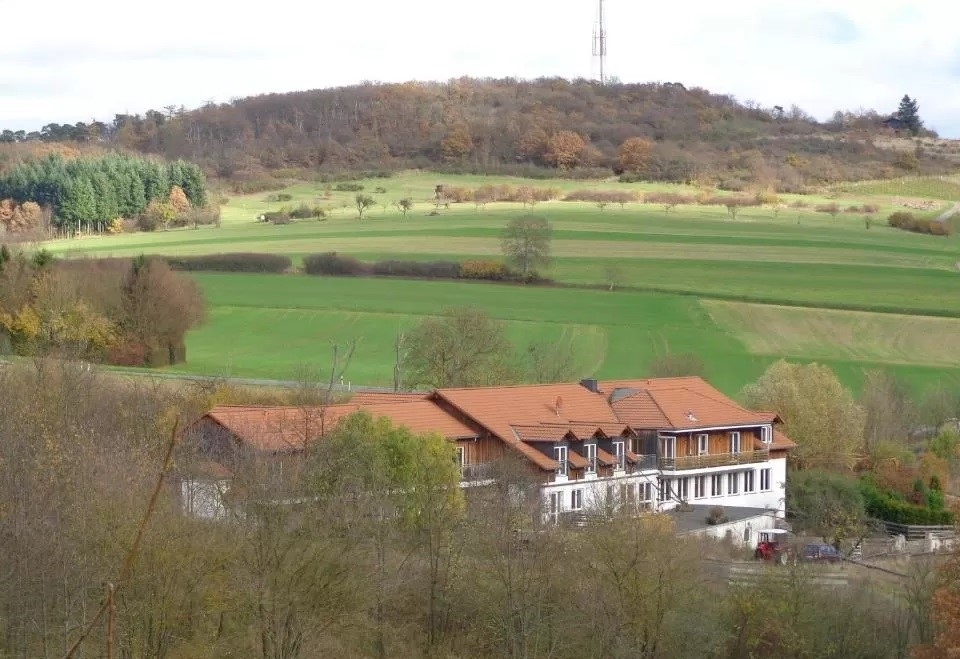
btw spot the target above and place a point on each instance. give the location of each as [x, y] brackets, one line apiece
[68, 61]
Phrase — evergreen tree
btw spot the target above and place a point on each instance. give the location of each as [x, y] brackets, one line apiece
[79, 203]
[909, 114]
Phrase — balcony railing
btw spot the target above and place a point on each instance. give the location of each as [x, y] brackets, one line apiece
[645, 463]
[714, 460]
[476, 472]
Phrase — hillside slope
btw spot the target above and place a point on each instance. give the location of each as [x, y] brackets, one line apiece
[511, 126]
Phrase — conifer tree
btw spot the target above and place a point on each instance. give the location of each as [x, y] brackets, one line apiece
[909, 114]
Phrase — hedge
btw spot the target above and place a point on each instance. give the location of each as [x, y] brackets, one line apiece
[891, 507]
[331, 263]
[236, 262]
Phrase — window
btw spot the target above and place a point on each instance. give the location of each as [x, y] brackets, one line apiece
[590, 453]
[735, 442]
[669, 446]
[663, 489]
[621, 455]
[766, 434]
[716, 485]
[627, 498]
[560, 455]
[703, 444]
[646, 495]
[683, 489]
[611, 501]
[733, 483]
[461, 458]
[556, 505]
[699, 487]
[749, 482]
[765, 480]
[576, 500]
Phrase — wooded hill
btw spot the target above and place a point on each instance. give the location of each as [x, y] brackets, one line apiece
[511, 126]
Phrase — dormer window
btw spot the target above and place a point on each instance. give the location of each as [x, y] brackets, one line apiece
[590, 453]
[766, 434]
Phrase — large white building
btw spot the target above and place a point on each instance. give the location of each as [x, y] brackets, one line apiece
[628, 446]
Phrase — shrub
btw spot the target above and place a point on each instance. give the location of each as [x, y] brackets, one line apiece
[602, 196]
[870, 208]
[490, 270]
[277, 217]
[732, 185]
[717, 515]
[380, 190]
[893, 506]
[799, 203]
[280, 196]
[669, 199]
[305, 212]
[424, 269]
[456, 194]
[331, 263]
[348, 187]
[832, 208]
[236, 262]
[203, 216]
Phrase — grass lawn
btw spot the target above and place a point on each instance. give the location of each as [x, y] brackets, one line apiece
[786, 256]
[271, 325]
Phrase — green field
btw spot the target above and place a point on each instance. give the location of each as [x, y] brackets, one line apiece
[669, 261]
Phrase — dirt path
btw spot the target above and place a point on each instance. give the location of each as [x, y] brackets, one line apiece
[949, 212]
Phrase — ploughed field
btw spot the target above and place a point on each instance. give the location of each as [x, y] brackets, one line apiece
[790, 282]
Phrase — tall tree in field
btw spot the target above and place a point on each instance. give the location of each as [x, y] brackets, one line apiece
[565, 149]
[465, 347]
[634, 154]
[526, 243]
[819, 414]
[909, 114]
[363, 202]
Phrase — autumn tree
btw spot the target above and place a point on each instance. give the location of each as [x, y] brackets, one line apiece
[565, 149]
[526, 243]
[552, 360]
[178, 199]
[157, 215]
[464, 347]
[159, 306]
[457, 144]
[634, 154]
[363, 202]
[819, 414]
[890, 412]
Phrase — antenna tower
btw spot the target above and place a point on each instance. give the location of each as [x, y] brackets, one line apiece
[600, 43]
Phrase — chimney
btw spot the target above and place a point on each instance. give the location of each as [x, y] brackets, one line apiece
[591, 384]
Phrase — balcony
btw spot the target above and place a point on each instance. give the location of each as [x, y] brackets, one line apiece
[715, 460]
[473, 473]
[645, 462]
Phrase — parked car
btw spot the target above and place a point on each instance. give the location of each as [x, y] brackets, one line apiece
[821, 554]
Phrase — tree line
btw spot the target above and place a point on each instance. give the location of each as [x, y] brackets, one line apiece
[377, 551]
[543, 127]
[92, 192]
[133, 312]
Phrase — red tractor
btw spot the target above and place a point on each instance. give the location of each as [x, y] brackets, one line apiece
[772, 546]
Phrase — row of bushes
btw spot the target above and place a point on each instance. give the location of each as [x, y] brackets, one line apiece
[340, 265]
[523, 194]
[909, 222]
[603, 196]
[893, 507]
[237, 262]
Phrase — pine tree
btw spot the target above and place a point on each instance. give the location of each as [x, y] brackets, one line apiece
[909, 114]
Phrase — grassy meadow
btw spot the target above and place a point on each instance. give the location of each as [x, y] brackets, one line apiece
[740, 292]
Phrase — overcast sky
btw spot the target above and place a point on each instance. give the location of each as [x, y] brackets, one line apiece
[64, 61]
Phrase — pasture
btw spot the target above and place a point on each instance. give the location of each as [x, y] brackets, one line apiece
[662, 264]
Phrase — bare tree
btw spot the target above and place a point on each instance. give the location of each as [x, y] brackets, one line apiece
[526, 243]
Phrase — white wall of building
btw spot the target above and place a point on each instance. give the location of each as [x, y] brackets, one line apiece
[769, 479]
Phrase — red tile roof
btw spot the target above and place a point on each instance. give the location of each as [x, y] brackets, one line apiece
[677, 404]
[291, 428]
[378, 398]
[280, 429]
[499, 408]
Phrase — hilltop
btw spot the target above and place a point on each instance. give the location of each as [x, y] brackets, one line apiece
[532, 128]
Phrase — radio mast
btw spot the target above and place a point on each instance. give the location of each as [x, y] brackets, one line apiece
[600, 43]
